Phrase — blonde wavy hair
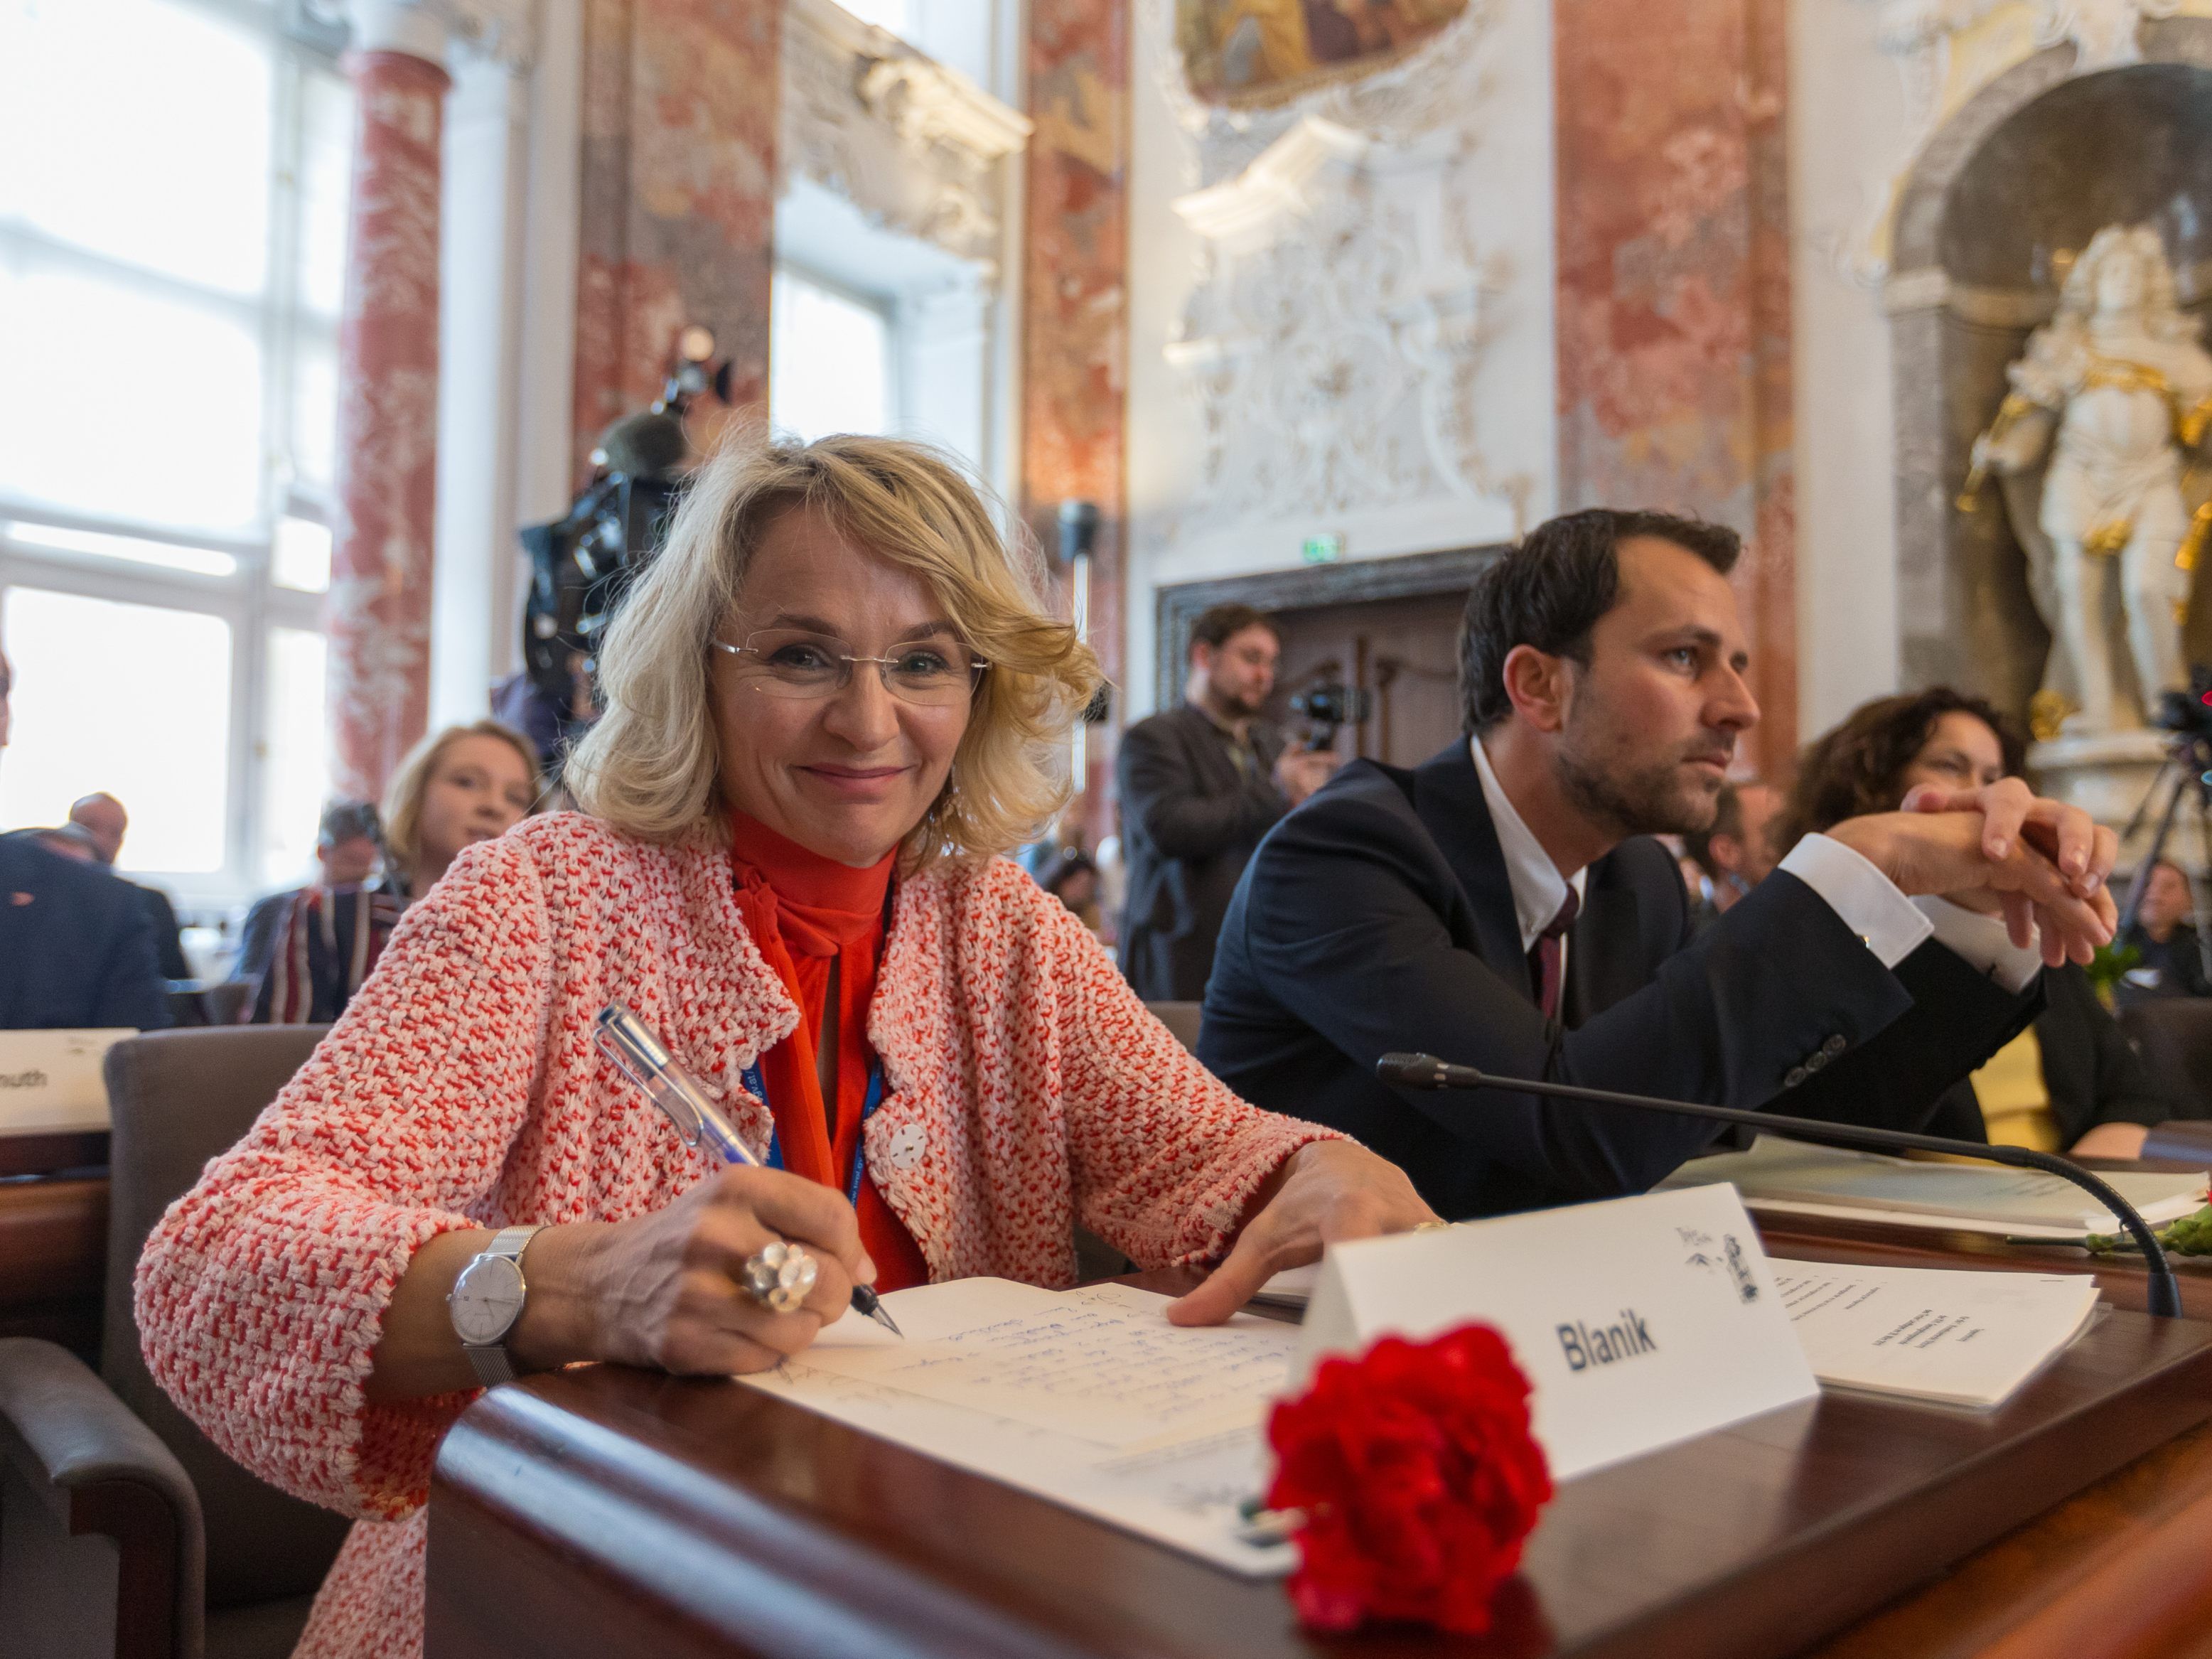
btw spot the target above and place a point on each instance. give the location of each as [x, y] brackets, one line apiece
[649, 766]
[403, 796]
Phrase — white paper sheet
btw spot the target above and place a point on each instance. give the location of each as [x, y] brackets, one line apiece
[1922, 1194]
[1957, 1337]
[1089, 1398]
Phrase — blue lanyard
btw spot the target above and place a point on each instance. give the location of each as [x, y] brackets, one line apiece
[756, 1085]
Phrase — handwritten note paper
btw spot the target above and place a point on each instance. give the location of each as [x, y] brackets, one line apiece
[1089, 1398]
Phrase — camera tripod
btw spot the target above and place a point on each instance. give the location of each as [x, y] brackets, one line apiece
[2186, 775]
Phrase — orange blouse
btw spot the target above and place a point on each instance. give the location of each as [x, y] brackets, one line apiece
[807, 913]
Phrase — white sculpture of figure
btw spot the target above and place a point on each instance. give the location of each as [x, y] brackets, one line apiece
[2119, 378]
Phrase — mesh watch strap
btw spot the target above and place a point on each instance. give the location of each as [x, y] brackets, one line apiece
[490, 1361]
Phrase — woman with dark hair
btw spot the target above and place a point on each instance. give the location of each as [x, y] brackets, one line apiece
[1955, 739]
[2070, 1080]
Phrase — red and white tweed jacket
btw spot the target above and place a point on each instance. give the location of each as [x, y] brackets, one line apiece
[1026, 1086]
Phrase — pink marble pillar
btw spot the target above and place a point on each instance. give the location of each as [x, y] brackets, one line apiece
[1673, 292]
[379, 616]
[1075, 343]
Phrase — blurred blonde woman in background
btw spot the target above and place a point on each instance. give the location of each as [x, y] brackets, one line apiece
[306, 951]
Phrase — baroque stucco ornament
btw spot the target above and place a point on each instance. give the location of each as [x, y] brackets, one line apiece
[1334, 338]
[916, 146]
[1928, 40]
[2104, 33]
[1334, 341]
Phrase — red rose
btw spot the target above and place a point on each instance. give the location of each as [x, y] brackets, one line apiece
[1417, 1479]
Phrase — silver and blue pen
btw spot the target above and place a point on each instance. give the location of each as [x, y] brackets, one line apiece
[625, 1039]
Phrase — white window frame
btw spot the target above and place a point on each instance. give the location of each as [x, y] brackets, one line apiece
[887, 309]
[249, 600]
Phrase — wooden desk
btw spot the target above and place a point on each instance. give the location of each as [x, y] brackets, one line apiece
[53, 1258]
[604, 1511]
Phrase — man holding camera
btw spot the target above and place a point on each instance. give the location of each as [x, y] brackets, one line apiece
[1200, 786]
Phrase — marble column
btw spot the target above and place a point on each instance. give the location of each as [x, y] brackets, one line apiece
[378, 618]
[1673, 293]
[1075, 320]
[681, 104]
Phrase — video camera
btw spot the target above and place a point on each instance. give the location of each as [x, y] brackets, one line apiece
[2188, 714]
[583, 562]
[1326, 706]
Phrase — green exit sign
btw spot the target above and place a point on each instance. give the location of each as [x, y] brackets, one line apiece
[1322, 549]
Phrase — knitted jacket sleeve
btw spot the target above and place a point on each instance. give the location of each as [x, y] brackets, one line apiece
[1164, 1156]
[260, 1296]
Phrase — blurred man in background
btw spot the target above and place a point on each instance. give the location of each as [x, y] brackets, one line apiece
[76, 949]
[2165, 939]
[1200, 786]
[101, 817]
[1734, 853]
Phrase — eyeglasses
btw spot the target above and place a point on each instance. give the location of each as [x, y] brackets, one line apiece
[790, 662]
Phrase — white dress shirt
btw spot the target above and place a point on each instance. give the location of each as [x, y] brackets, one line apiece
[1865, 900]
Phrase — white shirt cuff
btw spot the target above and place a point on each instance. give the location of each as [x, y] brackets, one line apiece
[1982, 942]
[1865, 900]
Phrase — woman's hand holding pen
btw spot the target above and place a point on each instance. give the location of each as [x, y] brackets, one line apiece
[664, 1290]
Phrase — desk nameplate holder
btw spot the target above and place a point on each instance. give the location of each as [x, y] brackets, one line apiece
[54, 1099]
[685, 1503]
[1638, 1322]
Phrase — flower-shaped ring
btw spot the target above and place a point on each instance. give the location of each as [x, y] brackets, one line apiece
[779, 1275]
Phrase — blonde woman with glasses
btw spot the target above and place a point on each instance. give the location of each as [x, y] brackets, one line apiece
[832, 702]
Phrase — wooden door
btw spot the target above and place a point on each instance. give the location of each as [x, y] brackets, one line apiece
[1404, 654]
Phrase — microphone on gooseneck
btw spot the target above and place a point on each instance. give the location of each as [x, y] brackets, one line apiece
[1427, 1072]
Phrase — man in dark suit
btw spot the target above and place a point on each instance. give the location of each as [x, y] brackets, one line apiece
[1200, 785]
[2168, 962]
[102, 817]
[1502, 906]
[75, 946]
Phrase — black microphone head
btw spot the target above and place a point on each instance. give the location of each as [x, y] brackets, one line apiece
[1413, 1071]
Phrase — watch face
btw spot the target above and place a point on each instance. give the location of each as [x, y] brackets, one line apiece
[486, 1299]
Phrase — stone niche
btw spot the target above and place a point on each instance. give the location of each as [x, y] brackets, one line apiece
[1988, 221]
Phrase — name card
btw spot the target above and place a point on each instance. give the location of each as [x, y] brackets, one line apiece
[51, 1081]
[1639, 1321]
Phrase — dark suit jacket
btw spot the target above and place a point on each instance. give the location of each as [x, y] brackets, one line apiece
[76, 946]
[1189, 821]
[2178, 964]
[168, 945]
[2093, 1074]
[1379, 917]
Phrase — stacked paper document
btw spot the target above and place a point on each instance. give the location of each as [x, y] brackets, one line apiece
[1790, 1176]
[1956, 1337]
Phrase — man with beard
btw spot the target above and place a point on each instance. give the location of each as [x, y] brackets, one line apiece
[1200, 785]
[1502, 906]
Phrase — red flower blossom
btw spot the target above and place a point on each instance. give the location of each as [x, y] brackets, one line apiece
[1417, 1479]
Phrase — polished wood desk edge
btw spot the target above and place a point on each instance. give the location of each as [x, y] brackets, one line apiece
[1855, 1561]
[2119, 1569]
[539, 1457]
[48, 1154]
[53, 1238]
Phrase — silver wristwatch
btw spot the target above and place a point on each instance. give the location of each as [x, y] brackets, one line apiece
[485, 1301]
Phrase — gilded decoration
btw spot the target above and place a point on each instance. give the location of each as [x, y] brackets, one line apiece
[1256, 54]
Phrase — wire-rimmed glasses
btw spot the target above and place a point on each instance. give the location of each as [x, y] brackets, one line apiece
[793, 662]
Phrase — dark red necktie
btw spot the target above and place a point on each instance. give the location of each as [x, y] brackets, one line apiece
[1544, 956]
